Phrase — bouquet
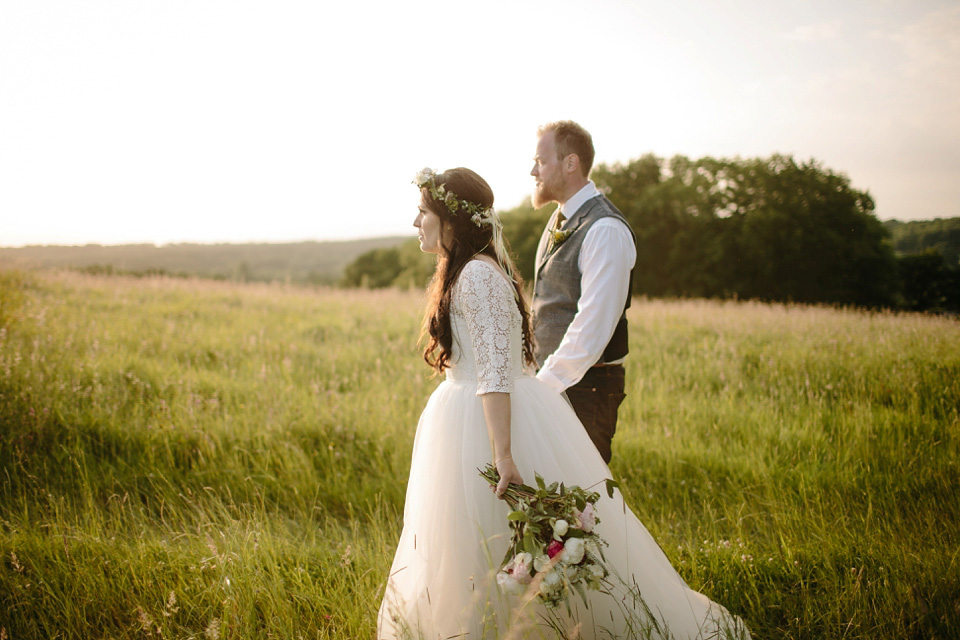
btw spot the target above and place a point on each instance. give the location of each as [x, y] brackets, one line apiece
[554, 550]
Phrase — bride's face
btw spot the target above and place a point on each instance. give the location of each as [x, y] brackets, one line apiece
[430, 228]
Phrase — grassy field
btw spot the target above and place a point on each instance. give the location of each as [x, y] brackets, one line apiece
[190, 459]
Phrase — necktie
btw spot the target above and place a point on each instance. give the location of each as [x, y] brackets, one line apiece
[558, 223]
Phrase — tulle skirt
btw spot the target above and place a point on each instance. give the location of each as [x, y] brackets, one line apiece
[442, 583]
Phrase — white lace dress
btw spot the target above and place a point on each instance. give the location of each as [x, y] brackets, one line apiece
[455, 532]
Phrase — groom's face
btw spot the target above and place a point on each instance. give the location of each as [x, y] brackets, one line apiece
[547, 172]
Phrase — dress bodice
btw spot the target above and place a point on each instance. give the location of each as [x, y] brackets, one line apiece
[487, 329]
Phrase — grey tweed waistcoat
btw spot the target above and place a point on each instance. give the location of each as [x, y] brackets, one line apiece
[557, 282]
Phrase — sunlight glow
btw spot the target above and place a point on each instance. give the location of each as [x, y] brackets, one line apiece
[255, 121]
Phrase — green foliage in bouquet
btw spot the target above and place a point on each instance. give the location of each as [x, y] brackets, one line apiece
[553, 547]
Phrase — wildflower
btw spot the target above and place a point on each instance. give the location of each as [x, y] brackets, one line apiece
[171, 606]
[212, 632]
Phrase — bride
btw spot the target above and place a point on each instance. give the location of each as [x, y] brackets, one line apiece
[490, 408]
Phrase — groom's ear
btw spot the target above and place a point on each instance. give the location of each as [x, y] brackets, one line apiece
[571, 163]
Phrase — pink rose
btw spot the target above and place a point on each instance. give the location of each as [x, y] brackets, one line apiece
[554, 548]
[509, 584]
[587, 519]
[520, 568]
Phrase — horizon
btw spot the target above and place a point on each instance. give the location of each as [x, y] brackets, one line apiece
[398, 236]
[211, 243]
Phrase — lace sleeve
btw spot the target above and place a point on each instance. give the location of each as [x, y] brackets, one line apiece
[487, 304]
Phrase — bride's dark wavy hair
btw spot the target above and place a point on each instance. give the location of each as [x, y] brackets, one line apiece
[458, 246]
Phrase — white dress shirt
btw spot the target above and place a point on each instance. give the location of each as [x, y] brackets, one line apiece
[606, 258]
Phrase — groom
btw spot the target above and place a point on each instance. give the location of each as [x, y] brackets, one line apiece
[582, 282]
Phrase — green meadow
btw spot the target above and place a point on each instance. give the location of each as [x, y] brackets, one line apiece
[196, 459]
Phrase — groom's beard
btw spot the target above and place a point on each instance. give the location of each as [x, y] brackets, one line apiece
[542, 195]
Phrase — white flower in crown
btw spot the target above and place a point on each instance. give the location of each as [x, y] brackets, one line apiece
[481, 218]
[424, 176]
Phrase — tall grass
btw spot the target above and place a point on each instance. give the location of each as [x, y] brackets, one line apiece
[194, 459]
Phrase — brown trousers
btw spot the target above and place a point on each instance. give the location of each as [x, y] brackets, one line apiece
[596, 399]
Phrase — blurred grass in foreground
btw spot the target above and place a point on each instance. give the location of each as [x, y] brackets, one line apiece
[211, 460]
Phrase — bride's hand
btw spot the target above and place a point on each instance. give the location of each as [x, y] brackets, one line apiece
[509, 474]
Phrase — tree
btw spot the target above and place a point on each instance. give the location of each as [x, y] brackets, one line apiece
[522, 228]
[805, 234]
[376, 268]
[929, 283]
[415, 267]
[404, 266]
[770, 228]
[916, 236]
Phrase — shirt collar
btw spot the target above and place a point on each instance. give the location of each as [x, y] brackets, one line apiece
[571, 206]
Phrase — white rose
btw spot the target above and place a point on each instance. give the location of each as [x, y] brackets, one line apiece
[592, 548]
[546, 590]
[595, 571]
[560, 528]
[552, 579]
[541, 562]
[423, 176]
[572, 551]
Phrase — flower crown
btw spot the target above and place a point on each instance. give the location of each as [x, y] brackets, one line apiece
[479, 215]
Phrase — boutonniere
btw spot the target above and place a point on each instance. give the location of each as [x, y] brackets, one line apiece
[558, 236]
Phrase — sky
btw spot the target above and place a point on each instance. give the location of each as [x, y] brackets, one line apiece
[166, 121]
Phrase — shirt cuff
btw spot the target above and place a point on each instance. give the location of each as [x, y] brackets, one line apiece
[552, 381]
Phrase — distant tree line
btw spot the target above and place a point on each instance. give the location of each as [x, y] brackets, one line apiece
[319, 263]
[920, 236]
[771, 229]
[929, 260]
